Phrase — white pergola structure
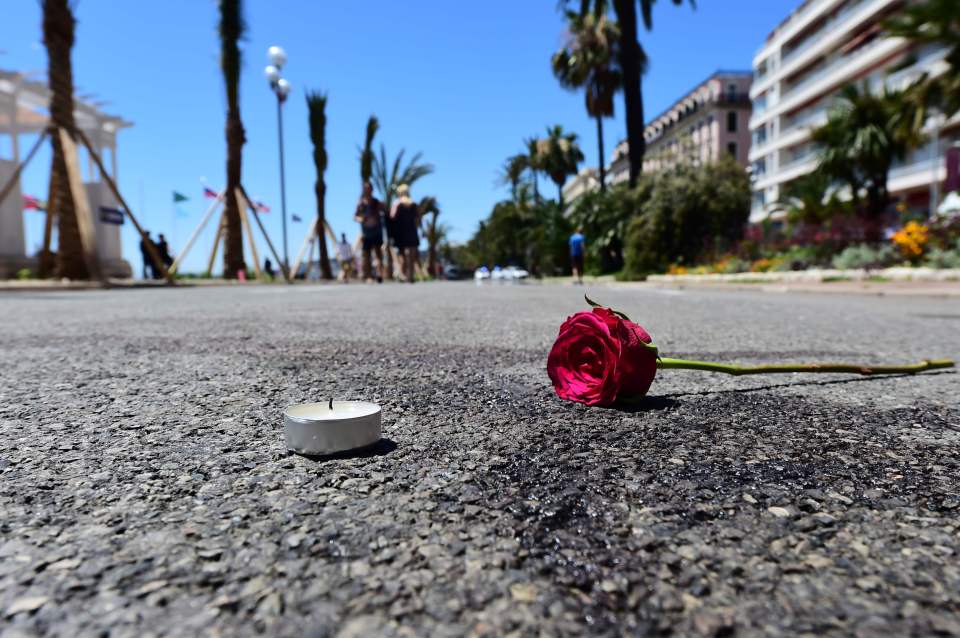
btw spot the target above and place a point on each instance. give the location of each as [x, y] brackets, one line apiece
[24, 104]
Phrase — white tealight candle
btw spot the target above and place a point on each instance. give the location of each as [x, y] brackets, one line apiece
[334, 426]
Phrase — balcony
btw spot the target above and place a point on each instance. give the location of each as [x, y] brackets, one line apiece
[832, 67]
[831, 77]
[734, 99]
[831, 25]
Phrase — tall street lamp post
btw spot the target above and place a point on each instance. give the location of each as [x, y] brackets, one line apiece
[281, 89]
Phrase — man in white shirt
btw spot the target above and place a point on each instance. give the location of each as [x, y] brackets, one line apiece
[345, 257]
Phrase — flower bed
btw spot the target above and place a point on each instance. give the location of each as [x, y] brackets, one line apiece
[816, 275]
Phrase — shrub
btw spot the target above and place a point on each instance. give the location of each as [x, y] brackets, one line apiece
[944, 258]
[690, 212]
[865, 256]
[797, 258]
[24, 274]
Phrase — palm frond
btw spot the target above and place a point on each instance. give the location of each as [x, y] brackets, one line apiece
[317, 115]
[366, 155]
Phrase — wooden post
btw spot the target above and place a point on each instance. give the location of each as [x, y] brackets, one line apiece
[303, 248]
[306, 274]
[81, 205]
[196, 233]
[46, 256]
[243, 199]
[332, 235]
[151, 248]
[253, 245]
[216, 245]
[16, 174]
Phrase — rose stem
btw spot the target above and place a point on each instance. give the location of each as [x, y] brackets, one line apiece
[683, 364]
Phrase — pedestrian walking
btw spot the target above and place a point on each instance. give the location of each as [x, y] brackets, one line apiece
[369, 215]
[148, 268]
[345, 258]
[268, 268]
[406, 220]
[164, 249]
[577, 245]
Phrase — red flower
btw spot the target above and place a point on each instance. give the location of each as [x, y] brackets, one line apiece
[599, 357]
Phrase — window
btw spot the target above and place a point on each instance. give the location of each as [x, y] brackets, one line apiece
[732, 149]
[731, 92]
[731, 121]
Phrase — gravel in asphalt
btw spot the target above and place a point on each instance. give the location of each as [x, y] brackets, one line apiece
[145, 489]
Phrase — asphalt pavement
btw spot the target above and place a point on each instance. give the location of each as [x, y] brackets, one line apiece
[145, 489]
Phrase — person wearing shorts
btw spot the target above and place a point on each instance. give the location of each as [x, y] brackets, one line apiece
[370, 217]
[577, 241]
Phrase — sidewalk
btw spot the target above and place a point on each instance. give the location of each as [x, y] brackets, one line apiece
[880, 288]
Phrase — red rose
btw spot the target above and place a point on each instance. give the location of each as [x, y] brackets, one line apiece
[599, 357]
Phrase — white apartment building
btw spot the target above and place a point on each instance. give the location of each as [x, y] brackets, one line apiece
[821, 47]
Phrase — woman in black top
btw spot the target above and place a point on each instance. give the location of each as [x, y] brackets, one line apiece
[406, 220]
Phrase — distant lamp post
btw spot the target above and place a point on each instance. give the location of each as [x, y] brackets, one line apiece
[937, 120]
[281, 88]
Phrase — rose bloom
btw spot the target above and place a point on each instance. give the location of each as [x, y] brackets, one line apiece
[599, 357]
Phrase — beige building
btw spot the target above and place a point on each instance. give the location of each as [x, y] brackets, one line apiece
[817, 50]
[585, 181]
[710, 121]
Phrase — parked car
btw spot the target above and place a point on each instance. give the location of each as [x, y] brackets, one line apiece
[451, 272]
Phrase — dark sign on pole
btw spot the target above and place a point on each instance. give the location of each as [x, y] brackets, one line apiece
[111, 216]
[953, 169]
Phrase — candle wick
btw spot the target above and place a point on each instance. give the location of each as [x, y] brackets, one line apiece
[331, 403]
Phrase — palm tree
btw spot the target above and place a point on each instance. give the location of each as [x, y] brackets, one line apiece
[59, 26]
[317, 109]
[933, 22]
[535, 162]
[387, 176]
[589, 60]
[561, 156]
[434, 233]
[512, 172]
[633, 64]
[366, 153]
[864, 133]
[807, 199]
[231, 31]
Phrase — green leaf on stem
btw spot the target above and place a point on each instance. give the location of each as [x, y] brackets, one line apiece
[616, 312]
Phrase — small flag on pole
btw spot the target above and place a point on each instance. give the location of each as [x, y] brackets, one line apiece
[296, 219]
[179, 197]
[32, 203]
[261, 207]
[209, 192]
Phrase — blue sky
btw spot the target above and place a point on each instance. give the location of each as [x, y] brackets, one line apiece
[464, 82]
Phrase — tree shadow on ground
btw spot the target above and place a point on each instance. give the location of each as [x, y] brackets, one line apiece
[796, 384]
[380, 448]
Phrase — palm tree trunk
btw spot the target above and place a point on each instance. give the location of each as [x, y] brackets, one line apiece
[325, 271]
[603, 169]
[630, 56]
[432, 248]
[233, 237]
[231, 30]
[58, 36]
[560, 194]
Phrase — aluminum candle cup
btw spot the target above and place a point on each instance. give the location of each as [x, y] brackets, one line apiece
[327, 428]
